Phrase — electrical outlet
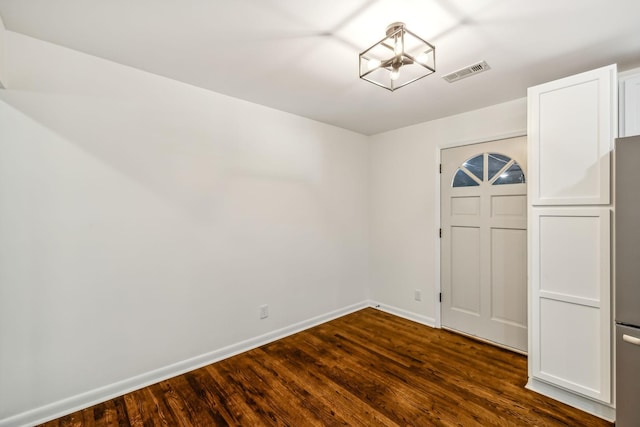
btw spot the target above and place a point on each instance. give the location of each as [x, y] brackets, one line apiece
[417, 295]
[264, 311]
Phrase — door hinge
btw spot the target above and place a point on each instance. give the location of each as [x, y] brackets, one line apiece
[440, 167]
[440, 296]
[440, 233]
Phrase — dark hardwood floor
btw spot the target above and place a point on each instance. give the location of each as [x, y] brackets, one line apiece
[365, 369]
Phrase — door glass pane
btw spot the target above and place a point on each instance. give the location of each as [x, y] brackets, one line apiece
[513, 175]
[475, 165]
[461, 179]
[495, 163]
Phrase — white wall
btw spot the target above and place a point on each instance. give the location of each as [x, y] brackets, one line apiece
[144, 221]
[404, 215]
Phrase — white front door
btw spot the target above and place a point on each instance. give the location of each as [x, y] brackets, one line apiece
[484, 241]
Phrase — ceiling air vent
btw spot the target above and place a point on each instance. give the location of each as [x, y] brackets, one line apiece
[467, 71]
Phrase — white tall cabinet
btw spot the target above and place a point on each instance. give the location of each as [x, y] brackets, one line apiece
[572, 124]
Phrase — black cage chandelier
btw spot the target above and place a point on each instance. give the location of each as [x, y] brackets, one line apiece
[397, 60]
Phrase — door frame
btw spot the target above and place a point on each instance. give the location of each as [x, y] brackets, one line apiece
[438, 156]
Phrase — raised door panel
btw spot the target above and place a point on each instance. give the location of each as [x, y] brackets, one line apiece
[572, 127]
[509, 276]
[570, 293]
[465, 270]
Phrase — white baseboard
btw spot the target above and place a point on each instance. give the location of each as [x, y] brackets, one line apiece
[93, 397]
[84, 400]
[429, 321]
[592, 407]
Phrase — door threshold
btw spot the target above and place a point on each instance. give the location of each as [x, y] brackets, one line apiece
[486, 341]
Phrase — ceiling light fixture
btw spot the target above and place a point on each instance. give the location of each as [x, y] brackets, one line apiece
[398, 59]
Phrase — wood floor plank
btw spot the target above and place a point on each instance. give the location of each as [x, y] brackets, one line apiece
[135, 409]
[369, 368]
[232, 398]
[313, 411]
[105, 414]
[321, 377]
[161, 414]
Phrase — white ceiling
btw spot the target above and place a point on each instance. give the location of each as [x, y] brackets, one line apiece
[301, 56]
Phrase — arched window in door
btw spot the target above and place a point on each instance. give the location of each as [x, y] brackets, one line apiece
[492, 168]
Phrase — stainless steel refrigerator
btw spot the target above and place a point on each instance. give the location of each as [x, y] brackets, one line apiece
[627, 287]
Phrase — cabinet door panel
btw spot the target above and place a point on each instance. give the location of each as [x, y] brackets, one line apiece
[571, 128]
[570, 294]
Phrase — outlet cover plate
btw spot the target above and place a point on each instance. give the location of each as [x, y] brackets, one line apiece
[264, 311]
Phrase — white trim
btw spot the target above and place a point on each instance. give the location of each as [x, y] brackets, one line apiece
[438, 226]
[81, 401]
[75, 403]
[592, 407]
[498, 137]
[418, 318]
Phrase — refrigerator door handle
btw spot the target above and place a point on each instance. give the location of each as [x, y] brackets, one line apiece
[630, 339]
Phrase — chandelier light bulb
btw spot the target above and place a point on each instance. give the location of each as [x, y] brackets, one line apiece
[397, 47]
[395, 73]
